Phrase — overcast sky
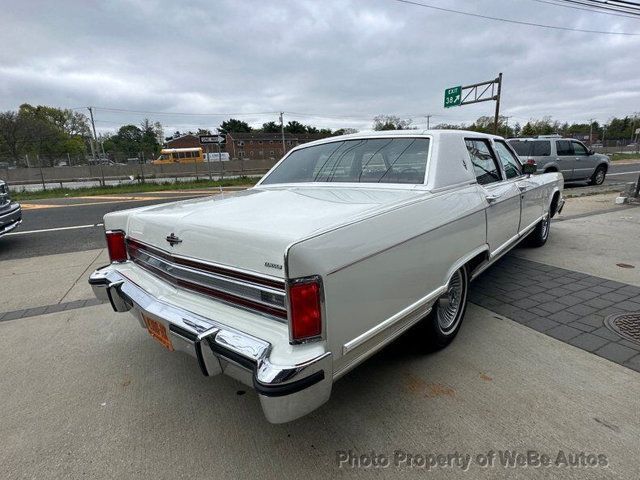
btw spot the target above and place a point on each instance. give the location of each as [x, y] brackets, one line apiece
[338, 62]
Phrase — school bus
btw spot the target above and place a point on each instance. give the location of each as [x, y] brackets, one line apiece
[179, 155]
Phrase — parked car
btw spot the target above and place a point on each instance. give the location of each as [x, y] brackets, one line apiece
[10, 212]
[572, 158]
[342, 246]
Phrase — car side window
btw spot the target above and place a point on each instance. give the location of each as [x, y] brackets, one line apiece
[510, 163]
[541, 148]
[484, 163]
[564, 148]
[579, 149]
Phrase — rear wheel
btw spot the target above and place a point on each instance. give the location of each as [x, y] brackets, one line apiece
[598, 176]
[442, 324]
[540, 234]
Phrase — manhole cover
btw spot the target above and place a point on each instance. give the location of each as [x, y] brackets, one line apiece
[626, 325]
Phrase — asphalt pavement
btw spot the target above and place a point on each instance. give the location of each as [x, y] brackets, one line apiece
[73, 224]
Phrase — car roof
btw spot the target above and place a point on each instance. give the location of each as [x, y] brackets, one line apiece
[538, 139]
[399, 134]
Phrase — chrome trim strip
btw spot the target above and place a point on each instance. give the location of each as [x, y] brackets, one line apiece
[505, 245]
[364, 337]
[515, 239]
[245, 290]
[531, 226]
[229, 268]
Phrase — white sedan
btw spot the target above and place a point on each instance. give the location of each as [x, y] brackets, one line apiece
[342, 246]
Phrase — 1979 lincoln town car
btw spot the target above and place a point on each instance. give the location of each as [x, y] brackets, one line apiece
[342, 246]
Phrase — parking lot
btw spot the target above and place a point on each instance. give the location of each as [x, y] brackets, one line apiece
[534, 369]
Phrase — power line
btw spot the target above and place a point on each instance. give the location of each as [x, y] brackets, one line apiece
[192, 114]
[548, 2]
[517, 22]
[604, 7]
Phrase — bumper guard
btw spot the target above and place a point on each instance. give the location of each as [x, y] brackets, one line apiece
[285, 392]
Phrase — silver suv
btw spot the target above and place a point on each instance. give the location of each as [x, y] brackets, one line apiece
[572, 158]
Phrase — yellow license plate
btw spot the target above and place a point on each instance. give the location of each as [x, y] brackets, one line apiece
[158, 332]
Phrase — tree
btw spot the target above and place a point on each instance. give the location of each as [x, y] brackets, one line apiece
[126, 143]
[295, 127]
[270, 127]
[344, 131]
[13, 135]
[448, 126]
[517, 129]
[325, 131]
[391, 122]
[235, 126]
[159, 132]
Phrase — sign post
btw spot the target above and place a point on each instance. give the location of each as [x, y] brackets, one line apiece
[468, 94]
[207, 141]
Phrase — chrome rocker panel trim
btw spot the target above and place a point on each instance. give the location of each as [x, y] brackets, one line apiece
[286, 392]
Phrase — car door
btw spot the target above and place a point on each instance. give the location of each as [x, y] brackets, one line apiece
[531, 196]
[584, 163]
[503, 197]
[565, 158]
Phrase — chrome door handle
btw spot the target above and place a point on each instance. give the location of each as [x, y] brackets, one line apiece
[491, 198]
[521, 187]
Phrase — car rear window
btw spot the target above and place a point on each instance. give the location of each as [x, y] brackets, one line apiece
[531, 148]
[373, 160]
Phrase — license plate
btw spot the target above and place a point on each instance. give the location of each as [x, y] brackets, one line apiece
[158, 332]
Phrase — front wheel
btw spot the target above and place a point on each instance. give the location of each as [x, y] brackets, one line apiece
[540, 234]
[598, 176]
[442, 324]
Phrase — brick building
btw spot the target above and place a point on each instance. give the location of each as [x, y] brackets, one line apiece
[264, 146]
[183, 141]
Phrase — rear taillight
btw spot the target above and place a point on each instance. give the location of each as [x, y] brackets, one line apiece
[116, 246]
[305, 309]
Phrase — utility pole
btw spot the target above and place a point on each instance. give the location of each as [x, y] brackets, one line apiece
[95, 138]
[591, 120]
[428, 118]
[497, 116]
[633, 125]
[284, 149]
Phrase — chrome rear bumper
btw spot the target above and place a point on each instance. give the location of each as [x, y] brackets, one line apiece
[285, 392]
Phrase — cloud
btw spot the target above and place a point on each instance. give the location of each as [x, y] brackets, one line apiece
[342, 61]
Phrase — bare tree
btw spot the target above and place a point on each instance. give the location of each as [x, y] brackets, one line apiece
[391, 122]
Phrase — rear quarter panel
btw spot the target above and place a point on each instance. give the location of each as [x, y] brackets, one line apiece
[377, 267]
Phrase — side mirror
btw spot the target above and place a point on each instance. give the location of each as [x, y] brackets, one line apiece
[591, 152]
[529, 168]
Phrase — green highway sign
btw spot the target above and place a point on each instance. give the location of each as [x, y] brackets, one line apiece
[452, 97]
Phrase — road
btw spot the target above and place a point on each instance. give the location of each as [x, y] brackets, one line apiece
[75, 224]
[623, 173]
